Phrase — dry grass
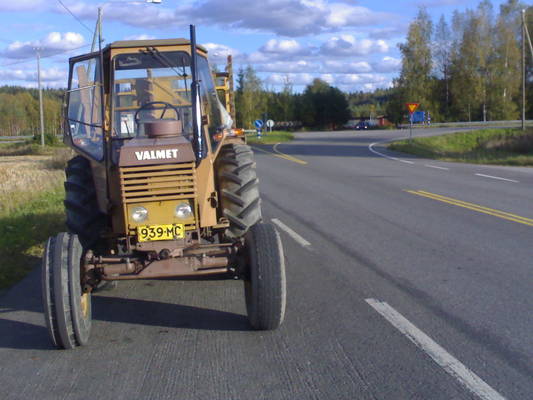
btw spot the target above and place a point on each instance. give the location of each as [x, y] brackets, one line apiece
[60, 158]
[31, 209]
[25, 178]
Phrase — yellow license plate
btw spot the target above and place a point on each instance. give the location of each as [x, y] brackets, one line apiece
[160, 232]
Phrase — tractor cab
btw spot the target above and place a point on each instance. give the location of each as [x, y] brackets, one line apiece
[146, 86]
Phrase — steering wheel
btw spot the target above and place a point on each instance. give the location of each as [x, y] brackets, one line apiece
[150, 105]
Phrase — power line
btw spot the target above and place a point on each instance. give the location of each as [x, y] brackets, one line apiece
[75, 17]
[30, 59]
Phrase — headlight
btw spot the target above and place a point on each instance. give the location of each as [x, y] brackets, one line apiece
[183, 211]
[139, 214]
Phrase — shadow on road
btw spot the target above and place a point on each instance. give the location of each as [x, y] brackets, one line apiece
[148, 312]
[23, 336]
[22, 322]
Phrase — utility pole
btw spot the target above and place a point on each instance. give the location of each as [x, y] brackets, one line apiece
[41, 116]
[523, 69]
[97, 30]
[229, 70]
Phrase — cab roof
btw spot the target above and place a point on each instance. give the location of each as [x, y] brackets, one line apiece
[121, 44]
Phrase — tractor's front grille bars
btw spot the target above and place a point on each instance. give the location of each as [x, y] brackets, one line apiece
[158, 183]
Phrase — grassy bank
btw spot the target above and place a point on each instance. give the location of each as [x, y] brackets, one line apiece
[270, 137]
[31, 209]
[484, 146]
[23, 232]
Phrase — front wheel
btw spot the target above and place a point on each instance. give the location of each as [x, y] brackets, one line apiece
[264, 282]
[67, 310]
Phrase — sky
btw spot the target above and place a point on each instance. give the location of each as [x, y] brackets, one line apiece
[350, 44]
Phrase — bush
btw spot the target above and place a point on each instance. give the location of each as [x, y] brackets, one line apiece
[49, 139]
[60, 158]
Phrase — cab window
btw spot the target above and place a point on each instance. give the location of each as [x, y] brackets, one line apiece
[84, 114]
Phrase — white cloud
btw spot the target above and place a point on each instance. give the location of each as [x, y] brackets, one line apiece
[53, 43]
[48, 75]
[349, 46]
[388, 32]
[220, 52]
[388, 64]
[347, 82]
[283, 17]
[134, 14]
[22, 5]
[295, 79]
[283, 46]
[347, 67]
[288, 67]
[142, 36]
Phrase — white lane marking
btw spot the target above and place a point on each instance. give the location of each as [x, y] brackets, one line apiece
[448, 362]
[371, 148]
[436, 166]
[497, 177]
[291, 233]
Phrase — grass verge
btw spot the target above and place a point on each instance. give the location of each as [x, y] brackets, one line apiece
[24, 230]
[484, 146]
[270, 137]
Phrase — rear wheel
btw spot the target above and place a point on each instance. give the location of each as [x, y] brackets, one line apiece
[239, 188]
[264, 282]
[83, 215]
[67, 309]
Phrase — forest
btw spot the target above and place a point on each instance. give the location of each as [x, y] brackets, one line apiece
[467, 68]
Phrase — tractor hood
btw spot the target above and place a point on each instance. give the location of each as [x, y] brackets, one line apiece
[150, 151]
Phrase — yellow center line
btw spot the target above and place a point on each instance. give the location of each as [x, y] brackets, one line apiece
[478, 206]
[281, 155]
[296, 160]
[474, 207]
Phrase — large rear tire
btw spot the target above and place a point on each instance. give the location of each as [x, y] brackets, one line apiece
[264, 282]
[238, 188]
[83, 215]
[67, 310]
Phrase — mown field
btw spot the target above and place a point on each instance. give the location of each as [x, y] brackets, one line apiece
[31, 205]
[510, 146]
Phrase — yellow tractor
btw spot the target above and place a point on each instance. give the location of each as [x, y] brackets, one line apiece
[161, 186]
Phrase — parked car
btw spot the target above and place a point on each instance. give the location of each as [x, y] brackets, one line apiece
[362, 125]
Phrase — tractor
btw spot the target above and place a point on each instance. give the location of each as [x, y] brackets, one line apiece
[161, 187]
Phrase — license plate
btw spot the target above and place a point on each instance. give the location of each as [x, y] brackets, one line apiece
[160, 232]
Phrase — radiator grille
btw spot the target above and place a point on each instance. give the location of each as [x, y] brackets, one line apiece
[158, 182]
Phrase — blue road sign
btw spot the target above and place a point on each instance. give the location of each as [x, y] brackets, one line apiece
[258, 123]
[418, 116]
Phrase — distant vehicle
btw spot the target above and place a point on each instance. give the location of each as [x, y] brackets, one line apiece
[362, 125]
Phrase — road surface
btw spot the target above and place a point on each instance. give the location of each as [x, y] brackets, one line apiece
[407, 279]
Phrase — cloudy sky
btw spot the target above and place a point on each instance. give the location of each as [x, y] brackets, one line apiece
[350, 44]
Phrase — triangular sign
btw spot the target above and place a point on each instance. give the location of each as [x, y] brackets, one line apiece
[412, 107]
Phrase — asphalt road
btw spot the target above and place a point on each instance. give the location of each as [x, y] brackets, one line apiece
[407, 279]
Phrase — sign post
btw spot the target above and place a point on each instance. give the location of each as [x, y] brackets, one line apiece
[270, 124]
[258, 125]
[412, 108]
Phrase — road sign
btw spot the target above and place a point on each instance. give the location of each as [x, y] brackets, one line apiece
[418, 116]
[412, 107]
[270, 123]
[258, 123]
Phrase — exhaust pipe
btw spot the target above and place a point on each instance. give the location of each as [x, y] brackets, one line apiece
[195, 100]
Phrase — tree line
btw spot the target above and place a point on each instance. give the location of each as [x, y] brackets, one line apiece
[319, 105]
[19, 111]
[466, 69]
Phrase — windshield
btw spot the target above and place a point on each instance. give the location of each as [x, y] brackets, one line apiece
[151, 85]
[148, 86]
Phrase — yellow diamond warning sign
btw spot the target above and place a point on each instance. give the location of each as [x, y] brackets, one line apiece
[412, 107]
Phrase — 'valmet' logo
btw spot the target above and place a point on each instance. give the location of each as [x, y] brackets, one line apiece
[156, 154]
